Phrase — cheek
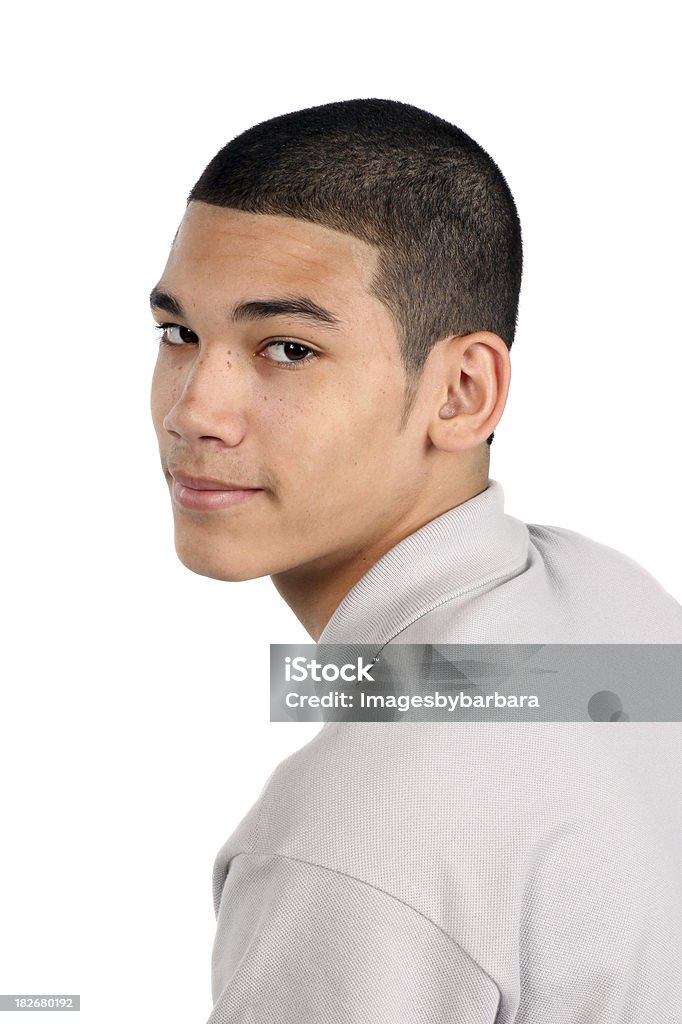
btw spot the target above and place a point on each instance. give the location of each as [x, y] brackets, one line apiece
[341, 436]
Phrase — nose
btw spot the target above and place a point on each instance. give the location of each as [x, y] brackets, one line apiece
[207, 402]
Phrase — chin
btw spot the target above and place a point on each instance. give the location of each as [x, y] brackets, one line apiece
[229, 570]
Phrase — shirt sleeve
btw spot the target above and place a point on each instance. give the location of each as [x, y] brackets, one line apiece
[297, 943]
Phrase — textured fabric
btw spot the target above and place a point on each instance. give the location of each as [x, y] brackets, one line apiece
[485, 873]
[315, 945]
[476, 575]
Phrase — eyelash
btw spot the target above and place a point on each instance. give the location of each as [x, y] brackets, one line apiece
[294, 365]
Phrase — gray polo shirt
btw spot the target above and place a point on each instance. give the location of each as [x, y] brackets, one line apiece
[467, 873]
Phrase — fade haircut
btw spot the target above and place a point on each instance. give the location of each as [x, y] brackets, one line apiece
[430, 199]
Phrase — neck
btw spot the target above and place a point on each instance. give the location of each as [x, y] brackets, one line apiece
[314, 591]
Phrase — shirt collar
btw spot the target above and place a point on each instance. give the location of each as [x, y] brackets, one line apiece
[471, 546]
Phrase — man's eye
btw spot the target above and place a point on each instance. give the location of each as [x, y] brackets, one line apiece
[288, 352]
[176, 334]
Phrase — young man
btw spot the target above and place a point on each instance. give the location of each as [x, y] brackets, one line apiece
[336, 315]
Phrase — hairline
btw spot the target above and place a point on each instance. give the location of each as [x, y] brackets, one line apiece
[412, 373]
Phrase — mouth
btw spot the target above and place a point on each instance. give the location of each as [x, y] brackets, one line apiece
[206, 494]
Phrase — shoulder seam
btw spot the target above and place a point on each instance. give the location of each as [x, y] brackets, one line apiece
[376, 888]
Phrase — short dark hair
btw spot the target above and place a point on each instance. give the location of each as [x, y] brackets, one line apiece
[430, 199]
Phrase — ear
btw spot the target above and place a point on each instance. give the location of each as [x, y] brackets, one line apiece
[472, 373]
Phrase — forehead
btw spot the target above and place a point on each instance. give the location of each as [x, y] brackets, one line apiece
[231, 251]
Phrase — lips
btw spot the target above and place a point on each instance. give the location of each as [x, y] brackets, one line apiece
[207, 483]
[207, 494]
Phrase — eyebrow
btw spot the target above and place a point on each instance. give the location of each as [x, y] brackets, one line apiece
[295, 306]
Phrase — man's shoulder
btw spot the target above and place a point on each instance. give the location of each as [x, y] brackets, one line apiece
[559, 541]
[357, 792]
[571, 589]
[599, 569]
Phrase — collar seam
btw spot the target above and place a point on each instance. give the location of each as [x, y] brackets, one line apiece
[507, 573]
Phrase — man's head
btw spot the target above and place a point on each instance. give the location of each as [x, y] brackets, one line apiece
[343, 290]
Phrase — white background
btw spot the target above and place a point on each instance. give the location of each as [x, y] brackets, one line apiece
[134, 701]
